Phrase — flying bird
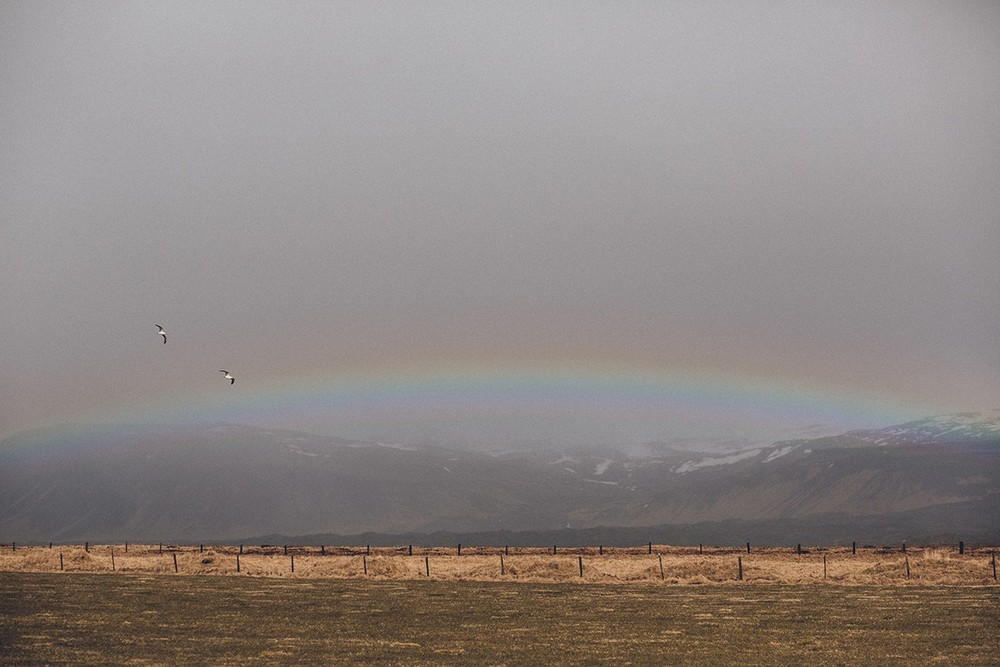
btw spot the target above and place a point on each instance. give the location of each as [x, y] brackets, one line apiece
[229, 377]
[162, 333]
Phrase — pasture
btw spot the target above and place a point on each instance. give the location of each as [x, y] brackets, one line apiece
[655, 564]
[95, 619]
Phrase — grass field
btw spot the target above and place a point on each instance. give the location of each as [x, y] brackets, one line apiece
[142, 619]
[659, 564]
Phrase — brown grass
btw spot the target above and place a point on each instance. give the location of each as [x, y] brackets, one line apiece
[681, 566]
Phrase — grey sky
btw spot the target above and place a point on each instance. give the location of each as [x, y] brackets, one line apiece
[800, 191]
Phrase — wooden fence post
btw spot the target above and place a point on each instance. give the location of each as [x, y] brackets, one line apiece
[427, 565]
[961, 548]
[553, 550]
[61, 565]
[600, 550]
[50, 545]
[364, 564]
[86, 547]
[739, 562]
[854, 548]
[580, 560]
[824, 566]
[368, 550]
[506, 553]
[502, 572]
[322, 550]
[660, 556]
[286, 549]
[650, 547]
[13, 546]
[798, 549]
[201, 548]
[241, 548]
[699, 549]
[748, 547]
[907, 567]
[238, 560]
[411, 549]
[994, 566]
[175, 563]
[161, 547]
[112, 559]
[459, 548]
[293, 563]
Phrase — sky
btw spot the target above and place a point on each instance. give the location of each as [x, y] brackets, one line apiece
[500, 222]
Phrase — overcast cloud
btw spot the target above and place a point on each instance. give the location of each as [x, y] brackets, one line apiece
[800, 191]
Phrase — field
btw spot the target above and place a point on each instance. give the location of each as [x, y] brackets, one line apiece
[654, 564]
[165, 619]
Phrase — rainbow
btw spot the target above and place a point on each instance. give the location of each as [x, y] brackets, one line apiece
[644, 403]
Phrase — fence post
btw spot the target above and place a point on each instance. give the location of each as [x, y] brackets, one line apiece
[854, 548]
[238, 560]
[506, 553]
[61, 565]
[907, 567]
[553, 550]
[699, 548]
[411, 549]
[368, 550]
[201, 548]
[650, 547]
[427, 565]
[739, 562]
[824, 566]
[175, 563]
[86, 547]
[161, 547]
[600, 550]
[748, 547]
[580, 560]
[994, 565]
[241, 548]
[322, 550]
[293, 563]
[112, 559]
[660, 556]
[502, 572]
[13, 546]
[459, 548]
[798, 549]
[364, 564]
[286, 549]
[961, 548]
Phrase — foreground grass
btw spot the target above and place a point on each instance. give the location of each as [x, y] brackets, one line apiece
[100, 619]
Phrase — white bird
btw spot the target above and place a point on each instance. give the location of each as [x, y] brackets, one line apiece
[162, 333]
[229, 377]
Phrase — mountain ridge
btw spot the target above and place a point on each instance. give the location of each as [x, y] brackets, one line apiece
[224, 480]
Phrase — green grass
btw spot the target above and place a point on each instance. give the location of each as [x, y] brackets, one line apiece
[102, 619]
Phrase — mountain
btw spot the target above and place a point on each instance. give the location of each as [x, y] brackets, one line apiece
[938, 477]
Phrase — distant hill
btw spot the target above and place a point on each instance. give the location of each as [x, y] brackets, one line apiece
[935, 478]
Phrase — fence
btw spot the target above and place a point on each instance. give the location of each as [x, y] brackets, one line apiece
[960, 564]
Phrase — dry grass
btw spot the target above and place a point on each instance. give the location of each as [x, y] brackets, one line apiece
[680, 566]
[92, 619]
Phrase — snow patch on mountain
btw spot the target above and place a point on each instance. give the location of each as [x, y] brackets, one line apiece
[716, 461]
[778, 453]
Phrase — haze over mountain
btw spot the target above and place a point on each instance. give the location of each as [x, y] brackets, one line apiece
[932, 478]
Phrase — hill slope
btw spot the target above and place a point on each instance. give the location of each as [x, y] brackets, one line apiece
[225, 481]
